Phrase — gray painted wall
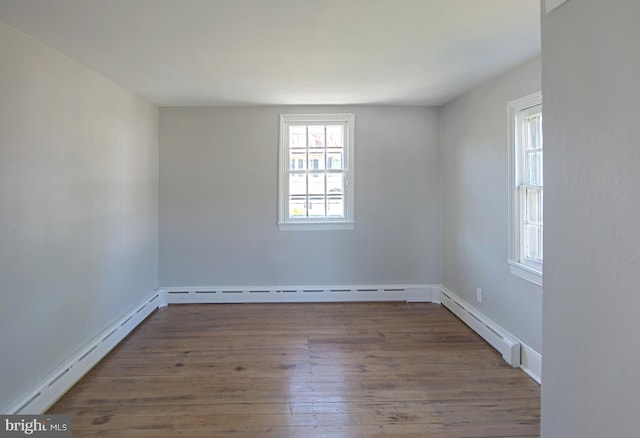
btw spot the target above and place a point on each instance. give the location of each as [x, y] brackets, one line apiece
[218, 201]
[475, 178]
[78, 208]
[591, 88]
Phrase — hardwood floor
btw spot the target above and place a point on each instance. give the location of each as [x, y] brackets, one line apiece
[303, 370]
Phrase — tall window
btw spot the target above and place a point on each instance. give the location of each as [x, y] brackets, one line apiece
[316, 171]
[527, 195]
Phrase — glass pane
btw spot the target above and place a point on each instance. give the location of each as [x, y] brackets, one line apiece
[335, 206]
[534, 132]
[316, 184]
[335, 135]
[534, 168]
[533, 206]
[540, 243]
[533, 242]
[316, 136]
[297, 159]
[297, 206]
[334, 159]
[297, 136]
[316, 159]
[317, 206]
[297, 184]
[334, 183]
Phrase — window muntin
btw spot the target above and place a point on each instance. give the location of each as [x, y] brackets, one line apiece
[316, 171]
[527, 188]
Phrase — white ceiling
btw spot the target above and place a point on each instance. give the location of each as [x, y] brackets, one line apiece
[254, 52]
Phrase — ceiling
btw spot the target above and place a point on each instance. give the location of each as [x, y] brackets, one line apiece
[272, 52]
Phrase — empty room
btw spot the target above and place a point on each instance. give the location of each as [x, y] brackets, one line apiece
[319, 218]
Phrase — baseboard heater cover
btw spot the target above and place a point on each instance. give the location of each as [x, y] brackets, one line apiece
[63, 378]
[505, 344]
[294, 294]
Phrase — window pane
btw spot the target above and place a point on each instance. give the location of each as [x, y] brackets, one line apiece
[297, 184]
[533, 206]
[316, 206]
[534, 132]
[533, 242]
[297, 159]
[297, 136]
[316, 136]
[316, 184]
[334, 159]
[534, 168]
[335, 206]
[334, 183]
[540, 243]
[297, 206]
[316, 159]
[335, 135]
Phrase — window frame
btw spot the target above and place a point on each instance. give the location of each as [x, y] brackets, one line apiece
[518, 265]
[286, 223]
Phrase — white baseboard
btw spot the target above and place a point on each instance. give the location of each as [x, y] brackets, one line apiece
[495, 335]
[531, 363]
[298, 294]
[515, 352]
[51, 388]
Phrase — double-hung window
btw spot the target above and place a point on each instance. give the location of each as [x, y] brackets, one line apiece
[526, 188]
[316, 171]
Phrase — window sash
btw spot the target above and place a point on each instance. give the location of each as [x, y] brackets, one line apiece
[531, 226]
[529, 176]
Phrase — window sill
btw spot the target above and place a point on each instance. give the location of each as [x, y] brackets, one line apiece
[525, 272]
[316, 226]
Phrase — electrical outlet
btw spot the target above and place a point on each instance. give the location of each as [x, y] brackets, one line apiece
[479, 295]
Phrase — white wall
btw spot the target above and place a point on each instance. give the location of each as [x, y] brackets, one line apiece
[475, 181]
[218, 201]
[78, 208]
[591, 88]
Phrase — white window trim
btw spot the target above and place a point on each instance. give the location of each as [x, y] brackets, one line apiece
[526, 272]
[286, 224]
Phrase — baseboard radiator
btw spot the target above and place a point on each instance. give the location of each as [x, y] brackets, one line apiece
[48, 391]
[57, 383]
[298, 294]
[501, 341]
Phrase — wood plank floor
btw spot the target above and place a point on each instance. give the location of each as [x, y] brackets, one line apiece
[303, 370]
